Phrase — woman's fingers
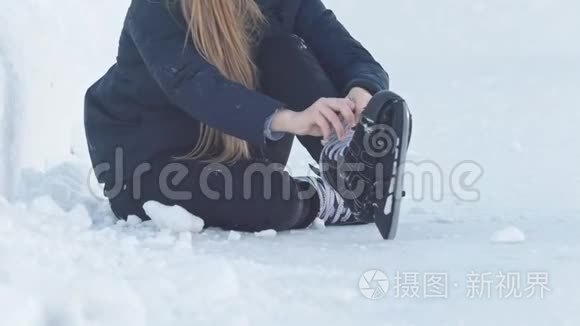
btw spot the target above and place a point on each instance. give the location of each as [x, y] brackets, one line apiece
[361, 105]
[323, 125]
[334, 120]
[331, 115]
[361, 97]
[345, 107]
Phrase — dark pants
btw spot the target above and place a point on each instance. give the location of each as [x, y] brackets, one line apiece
[249, 195]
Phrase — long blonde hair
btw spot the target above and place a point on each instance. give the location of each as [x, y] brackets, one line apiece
[223, 33]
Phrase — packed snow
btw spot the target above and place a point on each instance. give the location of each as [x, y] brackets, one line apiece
[134, 220]
[510, 234]
[319, 224]
[266, 234]
[489, 232]
[173, 218]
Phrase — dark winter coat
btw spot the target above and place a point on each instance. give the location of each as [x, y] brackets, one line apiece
[152, 100]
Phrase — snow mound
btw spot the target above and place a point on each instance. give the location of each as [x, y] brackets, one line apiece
[67, 183]
[173, 218]
[509, 235]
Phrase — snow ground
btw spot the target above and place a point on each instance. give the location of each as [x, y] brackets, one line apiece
[492, 82]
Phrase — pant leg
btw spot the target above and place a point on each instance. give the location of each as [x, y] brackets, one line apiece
[291, 73]
[248, 196]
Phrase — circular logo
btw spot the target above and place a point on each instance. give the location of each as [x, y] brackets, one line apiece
[374, 284]
[380, 140]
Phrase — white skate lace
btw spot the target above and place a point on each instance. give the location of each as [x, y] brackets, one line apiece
[332, 209]
[334, 147]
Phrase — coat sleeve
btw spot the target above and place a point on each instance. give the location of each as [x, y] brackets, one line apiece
[347, 62]
[190, 82]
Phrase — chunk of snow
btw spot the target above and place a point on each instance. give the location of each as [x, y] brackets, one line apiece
[134, 220]
[318, 224]
[234, 236]
[173, 218]
[266, 234]
[509, 235]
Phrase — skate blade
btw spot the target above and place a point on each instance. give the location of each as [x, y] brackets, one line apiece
[387, 213]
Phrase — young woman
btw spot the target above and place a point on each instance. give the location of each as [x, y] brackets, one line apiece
[205, 100]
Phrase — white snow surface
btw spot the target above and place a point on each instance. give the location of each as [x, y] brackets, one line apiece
[493, 86]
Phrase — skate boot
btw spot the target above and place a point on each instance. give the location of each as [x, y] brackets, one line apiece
[367, 168]
[332, 208]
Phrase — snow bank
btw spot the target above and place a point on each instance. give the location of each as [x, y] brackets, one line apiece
[49, 55]
[173, 218]
[10, 124]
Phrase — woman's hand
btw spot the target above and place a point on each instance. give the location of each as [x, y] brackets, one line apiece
[323, 118]
[361, 98]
